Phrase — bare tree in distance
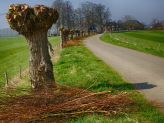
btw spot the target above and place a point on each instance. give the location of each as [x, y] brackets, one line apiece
[79, 17]
[66, 10]
[87, 15]
[34, 23]
[94, 14]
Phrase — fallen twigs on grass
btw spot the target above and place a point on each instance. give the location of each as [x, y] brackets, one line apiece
[64, 103]
[87, 96]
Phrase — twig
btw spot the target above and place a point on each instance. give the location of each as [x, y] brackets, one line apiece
[93, 94]
[76, 113]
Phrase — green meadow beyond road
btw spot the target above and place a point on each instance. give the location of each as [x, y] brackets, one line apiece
[144, 71]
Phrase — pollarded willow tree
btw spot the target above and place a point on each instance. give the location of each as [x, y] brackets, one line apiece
[64, 33]
[34, 23]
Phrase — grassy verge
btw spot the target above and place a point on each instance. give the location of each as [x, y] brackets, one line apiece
[146, 41]
[78, 67]
[14, 53]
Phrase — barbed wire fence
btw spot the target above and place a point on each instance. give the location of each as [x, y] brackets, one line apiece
[11, 75]
[7, 76]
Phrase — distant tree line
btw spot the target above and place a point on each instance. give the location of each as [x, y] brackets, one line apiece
[126, 23]
[130, 23]
[88, 16]
[93, 16]
[8, 32]
[157, 24]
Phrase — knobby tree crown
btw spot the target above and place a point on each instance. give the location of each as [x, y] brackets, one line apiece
[27, 20]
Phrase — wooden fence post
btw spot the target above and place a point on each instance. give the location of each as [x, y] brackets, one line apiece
[61, 38]
[6, 78]
[20, 71]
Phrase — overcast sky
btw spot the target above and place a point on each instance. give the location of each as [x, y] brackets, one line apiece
[143, 10]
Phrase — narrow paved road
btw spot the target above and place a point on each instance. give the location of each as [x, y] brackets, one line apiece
[144, 71]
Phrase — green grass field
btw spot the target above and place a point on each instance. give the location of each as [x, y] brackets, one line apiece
[14, 53]
[78, 67]
[148, 41]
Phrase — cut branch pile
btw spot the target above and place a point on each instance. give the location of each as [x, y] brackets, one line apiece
[64, 103]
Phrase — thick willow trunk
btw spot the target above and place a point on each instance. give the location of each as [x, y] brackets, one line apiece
[41, 68]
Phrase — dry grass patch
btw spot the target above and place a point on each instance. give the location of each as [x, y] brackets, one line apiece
[74, 42]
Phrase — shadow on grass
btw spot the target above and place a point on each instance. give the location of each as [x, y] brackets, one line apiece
[124, 86]
[114, 86]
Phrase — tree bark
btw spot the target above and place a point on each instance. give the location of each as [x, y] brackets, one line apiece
[62, 37]
[41, 67]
